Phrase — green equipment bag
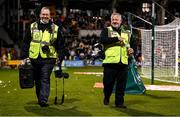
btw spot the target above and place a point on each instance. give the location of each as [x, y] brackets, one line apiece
[134, 83]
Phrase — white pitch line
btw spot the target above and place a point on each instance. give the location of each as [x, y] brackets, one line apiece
[149, 87]
[163, 87]
[89, 73]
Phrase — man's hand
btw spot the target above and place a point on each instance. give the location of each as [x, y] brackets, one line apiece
[26, 60]
[121, 41]
[130, 51]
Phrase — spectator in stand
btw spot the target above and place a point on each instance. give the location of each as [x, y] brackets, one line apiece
[4, 56]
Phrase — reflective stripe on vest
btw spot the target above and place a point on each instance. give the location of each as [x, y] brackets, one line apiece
[114, 53]
[40, 39]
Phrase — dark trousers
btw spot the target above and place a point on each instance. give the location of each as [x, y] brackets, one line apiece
[42, 73]
[115, 76]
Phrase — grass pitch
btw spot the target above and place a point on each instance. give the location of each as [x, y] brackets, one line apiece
[81, 99]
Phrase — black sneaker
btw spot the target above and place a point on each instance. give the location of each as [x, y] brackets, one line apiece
[106, 101]
[121, 106]
[43, 104]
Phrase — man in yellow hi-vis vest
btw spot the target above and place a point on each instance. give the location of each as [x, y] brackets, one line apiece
[42, 44]
[116, 49]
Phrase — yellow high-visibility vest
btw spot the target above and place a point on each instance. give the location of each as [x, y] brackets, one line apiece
[114, 53]
[40, 39]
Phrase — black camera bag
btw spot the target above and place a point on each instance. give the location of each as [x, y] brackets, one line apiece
[26, 78]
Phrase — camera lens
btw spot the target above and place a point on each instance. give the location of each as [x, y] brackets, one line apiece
[45, 49]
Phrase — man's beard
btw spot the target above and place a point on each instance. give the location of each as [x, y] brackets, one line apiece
[44, 21]
[115, 25]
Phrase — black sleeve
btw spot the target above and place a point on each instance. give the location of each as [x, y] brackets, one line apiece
[104, 39]
[26, 44]
[60, 46]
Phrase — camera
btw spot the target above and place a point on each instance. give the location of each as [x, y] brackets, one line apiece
[59, 74]
[46, 49]
[98, 51]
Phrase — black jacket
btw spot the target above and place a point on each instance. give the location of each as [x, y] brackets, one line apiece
[104, 39]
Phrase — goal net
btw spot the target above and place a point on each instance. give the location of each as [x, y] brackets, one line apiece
[166, 51]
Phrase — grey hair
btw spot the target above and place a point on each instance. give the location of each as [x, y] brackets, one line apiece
[113, 14]
[45, 8]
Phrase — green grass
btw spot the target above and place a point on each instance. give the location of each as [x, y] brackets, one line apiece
[81, 99]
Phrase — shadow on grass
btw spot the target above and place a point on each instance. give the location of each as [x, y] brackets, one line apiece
[135, 112]
[58, 101]
[71, 100]
[55, 110]
[134, 102]
[155, 96]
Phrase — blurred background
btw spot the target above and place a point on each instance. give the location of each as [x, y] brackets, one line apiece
[81, 22]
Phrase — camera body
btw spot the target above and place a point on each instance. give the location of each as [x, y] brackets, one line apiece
[59, 74]
[99, 54]
[46, 49]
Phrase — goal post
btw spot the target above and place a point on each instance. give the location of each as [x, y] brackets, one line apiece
[166, 51]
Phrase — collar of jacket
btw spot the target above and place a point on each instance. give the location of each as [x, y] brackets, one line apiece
[44, 27]
[121, 28]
